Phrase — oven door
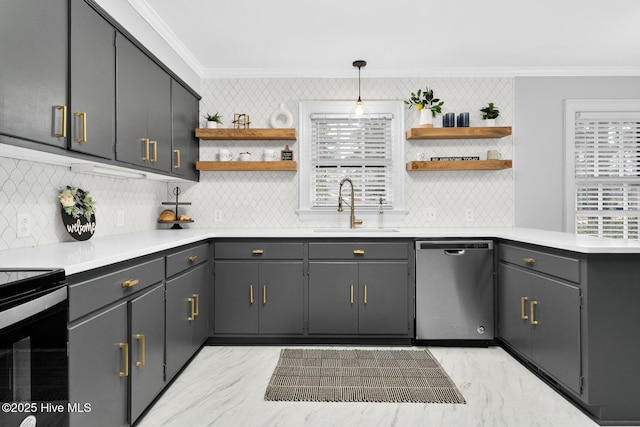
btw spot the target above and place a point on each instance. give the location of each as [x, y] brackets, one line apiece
[33, 360]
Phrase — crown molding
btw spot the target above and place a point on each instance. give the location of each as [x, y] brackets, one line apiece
[163, 30]
[220, 73]
[143, 8]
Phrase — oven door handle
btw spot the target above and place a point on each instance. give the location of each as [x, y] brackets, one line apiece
[31, 308]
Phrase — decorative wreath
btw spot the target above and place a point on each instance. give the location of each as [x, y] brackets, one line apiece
[77, 202]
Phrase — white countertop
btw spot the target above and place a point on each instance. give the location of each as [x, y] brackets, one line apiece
[76, 257]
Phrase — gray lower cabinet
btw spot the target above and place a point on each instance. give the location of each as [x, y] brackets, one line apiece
[146, 343]
[98, 373]
[33, 80]
[258, 297]
[132, 327]
[540, 318]
[93, 82]
[360, 288]
[187, 316]
[358, 298]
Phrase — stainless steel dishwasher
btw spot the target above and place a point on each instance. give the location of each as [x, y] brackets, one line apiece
[454, 290]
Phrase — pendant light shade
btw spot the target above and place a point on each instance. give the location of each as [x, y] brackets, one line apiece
[359, 105]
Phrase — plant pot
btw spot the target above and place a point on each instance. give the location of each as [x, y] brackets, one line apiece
[426, 118]
[489, 122]
[211, 125]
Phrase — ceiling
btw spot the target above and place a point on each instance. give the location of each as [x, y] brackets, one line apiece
[400, 38]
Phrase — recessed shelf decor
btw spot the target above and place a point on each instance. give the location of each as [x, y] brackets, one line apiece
[459, 133]
[258, 134]
[458, 165]
[284, 165]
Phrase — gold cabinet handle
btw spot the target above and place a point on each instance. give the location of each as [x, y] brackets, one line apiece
[196, 312]
[155, 151]
[351, 300]
[146, 148]
[177, 165]
[192, 301]
[63, 131]
[192, 258]
[251, 293]
[129, 283]
[140, 337]
[522, 315]
[257, 251]
[529, 260]
[365, 294]
[531, 310]
[358, 251]
[125, 347]
[264, 293]
[83, 133]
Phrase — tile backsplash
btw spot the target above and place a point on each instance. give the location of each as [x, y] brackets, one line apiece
[270, 199]
[32, 188]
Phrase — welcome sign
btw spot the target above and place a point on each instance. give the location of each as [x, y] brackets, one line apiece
[79, 228]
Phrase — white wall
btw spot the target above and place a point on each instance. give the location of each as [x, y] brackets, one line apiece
[539, 140]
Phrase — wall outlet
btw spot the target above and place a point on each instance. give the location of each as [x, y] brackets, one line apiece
[430, 214]
[217, 215]
[120, 219]
[468, 215]
[23, 225]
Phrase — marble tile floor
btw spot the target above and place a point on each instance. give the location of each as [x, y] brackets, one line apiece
[224, 386]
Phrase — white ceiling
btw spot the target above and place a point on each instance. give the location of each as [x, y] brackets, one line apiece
[400, 38]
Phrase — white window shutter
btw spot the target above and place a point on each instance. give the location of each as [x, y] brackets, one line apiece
[607, 173]
[359, 148]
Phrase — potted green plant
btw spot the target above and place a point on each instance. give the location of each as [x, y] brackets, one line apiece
[427, 104]
[213, 120]
[490, 113]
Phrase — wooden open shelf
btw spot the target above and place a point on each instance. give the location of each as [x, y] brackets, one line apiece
[459, 133]
[283, 165]
[459, 165]
[288, 134]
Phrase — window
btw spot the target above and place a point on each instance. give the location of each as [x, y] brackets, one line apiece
[337, 144]
[603, 159]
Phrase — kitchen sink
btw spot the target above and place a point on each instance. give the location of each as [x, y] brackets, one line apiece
[355, 230]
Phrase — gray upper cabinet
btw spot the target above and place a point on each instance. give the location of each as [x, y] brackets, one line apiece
[143, 109]
[92, 109]
[33, 80]
[185, 147]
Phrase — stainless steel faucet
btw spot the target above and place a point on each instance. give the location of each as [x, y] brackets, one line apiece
[352, 218]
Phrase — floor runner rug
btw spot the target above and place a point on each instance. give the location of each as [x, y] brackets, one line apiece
[360, 376]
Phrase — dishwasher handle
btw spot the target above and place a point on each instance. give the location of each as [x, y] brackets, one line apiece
[454, 252]
[454, 245]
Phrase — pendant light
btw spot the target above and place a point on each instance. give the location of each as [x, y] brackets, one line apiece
[359, 105]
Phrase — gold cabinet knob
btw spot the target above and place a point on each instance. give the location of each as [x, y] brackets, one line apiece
[129, 283]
